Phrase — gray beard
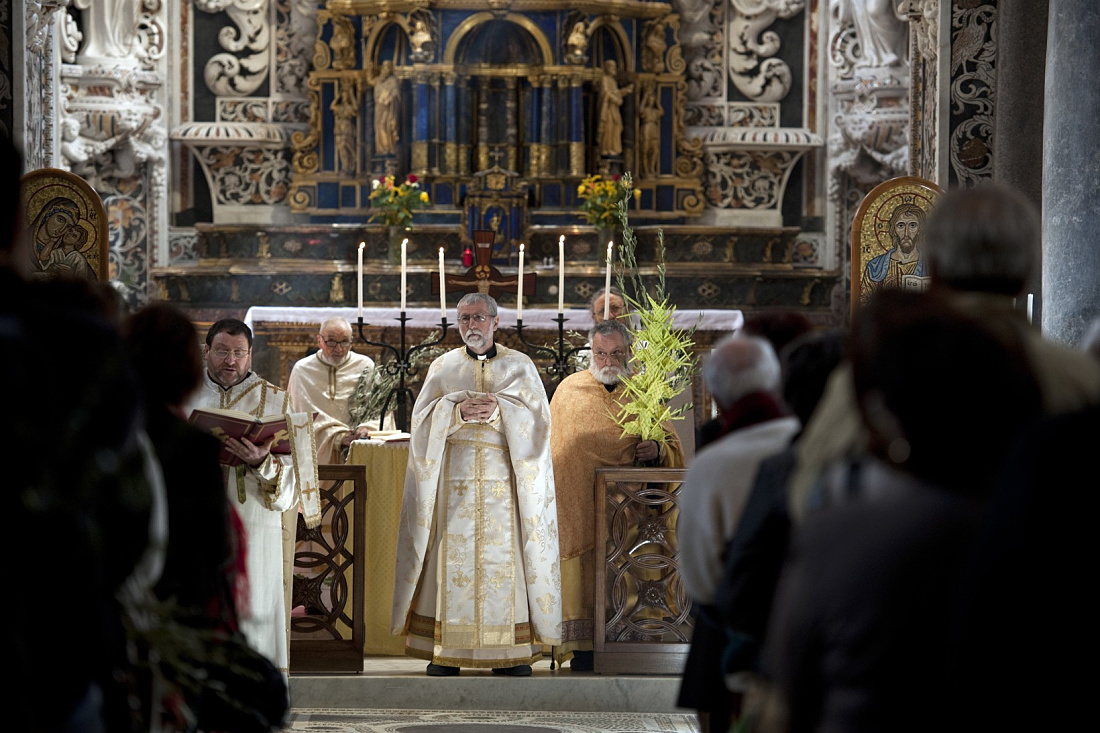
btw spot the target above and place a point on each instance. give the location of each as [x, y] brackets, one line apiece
[608, 375]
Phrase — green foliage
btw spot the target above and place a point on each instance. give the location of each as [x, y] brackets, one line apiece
[663, 359]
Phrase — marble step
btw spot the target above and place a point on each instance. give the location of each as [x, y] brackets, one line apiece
[400, 683]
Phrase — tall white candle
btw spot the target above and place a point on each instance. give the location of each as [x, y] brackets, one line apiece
[404, 245]
[519, 292]
[359, 281]
[607, 286]
[1030, 305]
[442, 288]
[561, 274]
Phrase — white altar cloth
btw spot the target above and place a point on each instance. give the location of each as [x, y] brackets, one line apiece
[577, 319]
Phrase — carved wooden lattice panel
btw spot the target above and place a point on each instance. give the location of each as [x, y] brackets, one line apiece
[642, 613]
[329, 636]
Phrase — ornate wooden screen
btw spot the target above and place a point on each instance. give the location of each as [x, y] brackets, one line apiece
[329, 637]
[642, 613]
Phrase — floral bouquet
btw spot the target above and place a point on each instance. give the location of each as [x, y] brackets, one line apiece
[394, 203]
[600, 198]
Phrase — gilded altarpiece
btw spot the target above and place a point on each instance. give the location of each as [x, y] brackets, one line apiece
[445, 90]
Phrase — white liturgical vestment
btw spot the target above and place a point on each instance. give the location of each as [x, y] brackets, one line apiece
[260, 496]
[478, 581]
[318, 386]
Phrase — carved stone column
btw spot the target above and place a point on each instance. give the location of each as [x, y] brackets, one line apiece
[1071, 170]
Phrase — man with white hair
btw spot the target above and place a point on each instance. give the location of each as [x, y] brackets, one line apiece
[742, 373]
[586, 437]
[324, 382]
[476, 582]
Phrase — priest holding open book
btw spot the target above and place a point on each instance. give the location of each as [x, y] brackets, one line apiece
[263, 484]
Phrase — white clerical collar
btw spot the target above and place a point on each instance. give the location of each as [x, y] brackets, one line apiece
[482, 357]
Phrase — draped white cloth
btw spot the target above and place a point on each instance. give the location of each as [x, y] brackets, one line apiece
[261, 495]
[478, 581]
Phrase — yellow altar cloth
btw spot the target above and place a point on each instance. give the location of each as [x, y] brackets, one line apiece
[385, 463]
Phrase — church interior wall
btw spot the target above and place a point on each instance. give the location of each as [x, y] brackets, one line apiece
[847, 124]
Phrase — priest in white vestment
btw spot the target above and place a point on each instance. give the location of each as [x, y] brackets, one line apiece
[324, 382]
[477, 581]
[265, 486]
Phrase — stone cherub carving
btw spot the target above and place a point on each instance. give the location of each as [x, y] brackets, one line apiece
[576, 44]
[421, 41]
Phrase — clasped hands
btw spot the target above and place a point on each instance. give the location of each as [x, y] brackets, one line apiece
[478, 409]
[249, 452]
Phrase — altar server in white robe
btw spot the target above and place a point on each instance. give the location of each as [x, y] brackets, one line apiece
[324, 382]
[478, 580]
[265, 486]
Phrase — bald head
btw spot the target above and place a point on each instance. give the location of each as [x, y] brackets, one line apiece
[740, 365]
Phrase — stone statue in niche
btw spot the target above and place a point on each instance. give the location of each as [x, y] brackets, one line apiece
[610, 131]
[881, 30]
[387, 97]
[650, 113]
[576, 44]
[344, 111]
[109, 28]
[421, 41]
[654, 46]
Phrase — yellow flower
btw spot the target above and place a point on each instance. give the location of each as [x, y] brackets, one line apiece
[424, 197]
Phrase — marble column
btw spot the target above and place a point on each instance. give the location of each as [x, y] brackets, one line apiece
[1071, 170]
[1018, 115]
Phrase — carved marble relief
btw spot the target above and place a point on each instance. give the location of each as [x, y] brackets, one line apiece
[868, 126]
[973, 91]
[112, 125]
[735, 97]
[245, 153]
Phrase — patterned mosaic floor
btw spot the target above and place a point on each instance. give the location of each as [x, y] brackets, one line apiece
[436, 721]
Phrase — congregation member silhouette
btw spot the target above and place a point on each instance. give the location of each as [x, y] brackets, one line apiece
[866, 600]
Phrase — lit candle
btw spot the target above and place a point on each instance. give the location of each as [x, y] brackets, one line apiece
[404, 244]
[1030, 305]
[442, 288]
[607, 286]
[360, 280]
[519, 292]
[561, 274]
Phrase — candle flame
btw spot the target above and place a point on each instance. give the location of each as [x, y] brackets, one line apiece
[561, 238]
[362, 245]
[404, 241]
[521, 247]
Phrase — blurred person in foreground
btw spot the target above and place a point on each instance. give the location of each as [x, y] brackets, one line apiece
[862, 616]
[477, 582]
[743, 375]
[585, 437]
[981, 245]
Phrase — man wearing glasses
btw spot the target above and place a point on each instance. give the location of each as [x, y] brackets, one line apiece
[265, 485]
[477, 581]
[324, 382]
[586, 437]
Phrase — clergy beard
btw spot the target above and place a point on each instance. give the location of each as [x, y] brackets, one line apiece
[474, 339]
[608, 375]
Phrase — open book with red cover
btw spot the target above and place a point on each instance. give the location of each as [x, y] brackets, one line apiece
[224, 424]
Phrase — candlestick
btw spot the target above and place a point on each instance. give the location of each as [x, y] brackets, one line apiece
[404, 244]
[442, 287]
[519, 291]
[359, 281]
[607, 286]
[561, 274]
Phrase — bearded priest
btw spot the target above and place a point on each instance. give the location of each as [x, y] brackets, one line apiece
[477, 581]
[586, 436]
